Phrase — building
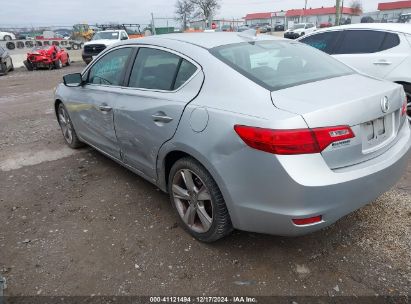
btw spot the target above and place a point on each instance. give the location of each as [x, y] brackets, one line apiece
[391, 11]
[321, 15]
[271, 18]
[218, 23]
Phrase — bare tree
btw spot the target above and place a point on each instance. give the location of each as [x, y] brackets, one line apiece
[184, 11]
[356, 7]
[206, 8]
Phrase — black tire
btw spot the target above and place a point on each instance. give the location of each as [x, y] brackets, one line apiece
[74, 143]
[12, 65]
[28, 65]
[75, 46]
[58, 64]
[68, 61]
[221, 223]
[4, 68]
[7, 38]
[10, 45]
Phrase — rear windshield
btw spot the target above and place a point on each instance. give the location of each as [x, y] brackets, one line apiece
[277, 65]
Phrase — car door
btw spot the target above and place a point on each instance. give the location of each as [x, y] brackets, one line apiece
[160, 85]
[372, 52]
[93, 103]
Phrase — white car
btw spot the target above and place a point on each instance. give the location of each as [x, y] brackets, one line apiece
[100, 41]
[299, 30]
[380, 50]
[6, 36]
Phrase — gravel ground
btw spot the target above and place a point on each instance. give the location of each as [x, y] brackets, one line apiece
[76, 223]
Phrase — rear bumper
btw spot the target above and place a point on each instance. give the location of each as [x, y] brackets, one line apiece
[304, 186]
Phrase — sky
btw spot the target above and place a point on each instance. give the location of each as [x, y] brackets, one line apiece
[58, 12]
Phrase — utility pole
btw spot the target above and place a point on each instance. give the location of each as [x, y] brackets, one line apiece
[153, 26]
[337, 12]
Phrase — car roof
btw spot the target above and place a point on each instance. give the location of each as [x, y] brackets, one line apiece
[204, 40]
[394, 27]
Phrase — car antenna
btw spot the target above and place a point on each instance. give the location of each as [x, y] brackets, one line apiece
[249, 35]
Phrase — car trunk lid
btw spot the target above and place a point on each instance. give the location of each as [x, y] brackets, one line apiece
[372, 109]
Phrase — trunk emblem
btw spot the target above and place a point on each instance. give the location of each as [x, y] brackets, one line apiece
[385, 104]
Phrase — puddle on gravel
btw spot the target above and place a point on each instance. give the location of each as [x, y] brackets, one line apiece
[30, 158]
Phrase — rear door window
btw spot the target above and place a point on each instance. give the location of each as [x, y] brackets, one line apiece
[391, 40]
[160, 70]
[360, 42]
[325, 42]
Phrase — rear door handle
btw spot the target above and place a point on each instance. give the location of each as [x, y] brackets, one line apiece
[382, 62]
[105, 108]
[161, 117]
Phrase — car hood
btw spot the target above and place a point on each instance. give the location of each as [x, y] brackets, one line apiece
[106, 42]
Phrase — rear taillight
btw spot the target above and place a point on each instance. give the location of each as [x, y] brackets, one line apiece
[295, 141]
[308, 221]
[404, 107]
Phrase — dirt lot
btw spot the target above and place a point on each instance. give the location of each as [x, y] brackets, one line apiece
[76, 223]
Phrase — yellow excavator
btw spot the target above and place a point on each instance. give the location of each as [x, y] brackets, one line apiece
[82, 32]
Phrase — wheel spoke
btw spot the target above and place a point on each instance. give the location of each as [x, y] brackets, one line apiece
[180, 193]
[203, 194]
[188, 180]
[66, 132]
[190, 215]
[62, 118]
[204, 218]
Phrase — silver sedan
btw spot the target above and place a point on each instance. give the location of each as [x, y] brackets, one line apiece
[243, 132]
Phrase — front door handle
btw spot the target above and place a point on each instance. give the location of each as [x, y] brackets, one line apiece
[382, 62]
[105, 108]
[161, 117]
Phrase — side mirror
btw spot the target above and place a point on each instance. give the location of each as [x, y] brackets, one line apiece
[73, 80]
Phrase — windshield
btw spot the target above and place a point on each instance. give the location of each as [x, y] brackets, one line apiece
[298, 26]
[277, 65]
[105, 35]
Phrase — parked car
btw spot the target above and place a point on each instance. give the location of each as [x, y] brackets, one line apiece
[367, 19]
[226, 28]
[380, 50]
[7, 36]
[279, 28]
[326, 24]
[293, 142]
[299, 29]
[265, 29]
[49, 56]
[100, 41]
[6, 63]
[242, 28]
[405, 18]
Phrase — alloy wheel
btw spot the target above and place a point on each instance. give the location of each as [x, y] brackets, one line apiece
[65, 124]
[409, 106]
[192, 200]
